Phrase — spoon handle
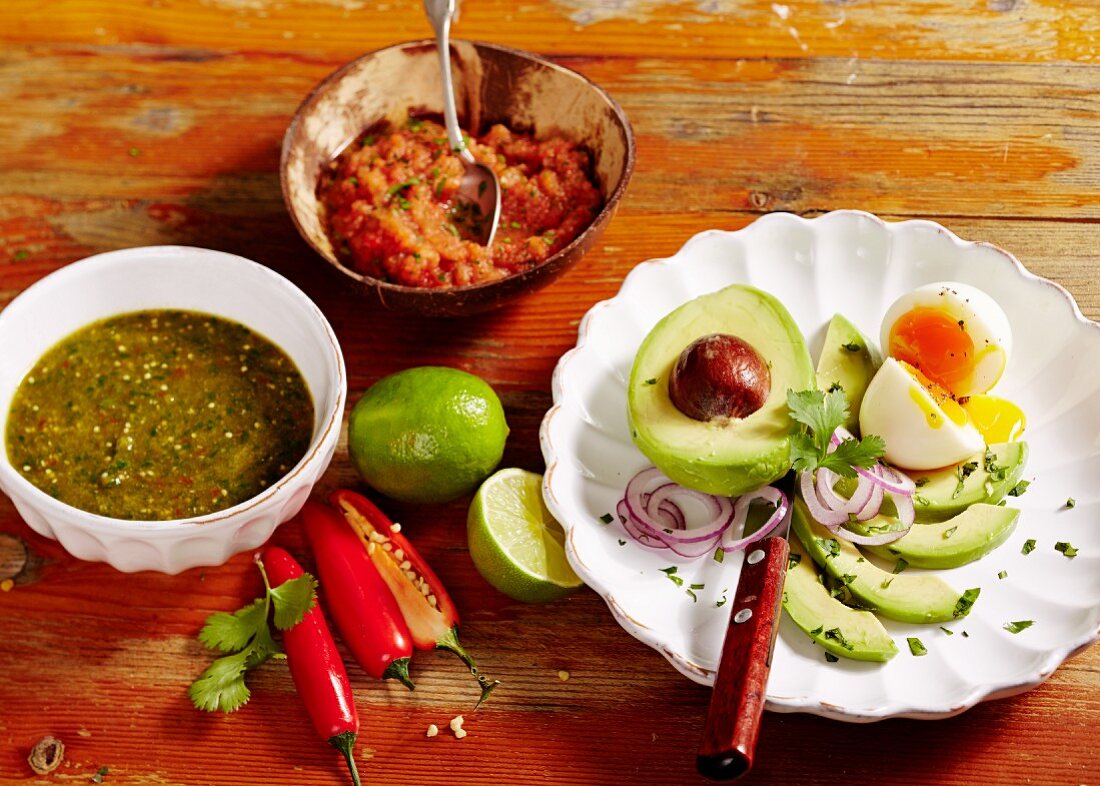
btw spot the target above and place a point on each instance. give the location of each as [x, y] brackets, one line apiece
[440, 13]
[740, 685]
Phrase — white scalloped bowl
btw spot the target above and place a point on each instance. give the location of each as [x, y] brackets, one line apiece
[193, 279]
[856, 264]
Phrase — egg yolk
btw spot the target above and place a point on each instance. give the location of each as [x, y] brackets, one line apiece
[937, 344]
[997, 419]
[945, 402]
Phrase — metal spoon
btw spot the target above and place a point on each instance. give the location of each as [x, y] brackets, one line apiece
[480, 189]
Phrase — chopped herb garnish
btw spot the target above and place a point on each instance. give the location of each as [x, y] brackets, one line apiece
[830, 545]
[607, 518]
[135, 152]
[962, 472]
[966, 601]
[965, 635]
[916, 647]
[651, 381]
[1029, 546]
[1018, 625]
[100, 774]
[1003, 574]
[397, 188]
[900, 565]
[367, 140]
[820, 415]
[671, 573]
[887, 582]
[1066, 549]
[838, 637]
[515, 225]
[920, 499]
[793, 559]
[451, 228]
[817, 631]
[948, 631]
[622, 542]
[1018, 489]
[692, 595]
[720, 603]
[921, 482]
[481, 187]
[1071, 503]
[831, 658]
[354, 181]
[947, 533]
[20, 255]
[698, 586]
[997, 472]
[847, 578]
[549, 236]
[852, 347]
[719, 555]
[415, 124]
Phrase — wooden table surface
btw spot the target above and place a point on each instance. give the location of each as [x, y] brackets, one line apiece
[134, 122]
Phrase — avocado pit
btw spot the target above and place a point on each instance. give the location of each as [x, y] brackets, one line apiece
[719, 376]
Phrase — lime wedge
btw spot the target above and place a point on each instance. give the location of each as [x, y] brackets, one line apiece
[515, 543]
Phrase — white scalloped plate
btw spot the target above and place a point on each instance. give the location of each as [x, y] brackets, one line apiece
[856, 264]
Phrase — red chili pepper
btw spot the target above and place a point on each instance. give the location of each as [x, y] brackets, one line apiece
[315, 664]
[424, 602]
[362, 606]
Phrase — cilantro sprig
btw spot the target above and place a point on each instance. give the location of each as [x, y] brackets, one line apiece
[245, 638]
[821, 414]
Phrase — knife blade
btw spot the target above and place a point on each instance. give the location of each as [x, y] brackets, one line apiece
[740, 684]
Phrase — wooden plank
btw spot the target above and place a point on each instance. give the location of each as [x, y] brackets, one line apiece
[993, 30]
[148, 147]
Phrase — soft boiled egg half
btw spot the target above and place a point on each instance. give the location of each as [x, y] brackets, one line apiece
[947, 344]
[923, 427]
[955, 334]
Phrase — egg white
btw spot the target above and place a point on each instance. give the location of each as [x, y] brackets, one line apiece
[917, 431]
[981, 317]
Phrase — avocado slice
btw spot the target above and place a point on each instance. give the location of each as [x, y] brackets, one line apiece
[843, 631]
[848, 359]
[940, 497]
[906, 597]
[726, 456]
[947, 544]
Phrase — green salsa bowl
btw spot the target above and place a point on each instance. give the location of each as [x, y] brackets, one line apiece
[259, 309]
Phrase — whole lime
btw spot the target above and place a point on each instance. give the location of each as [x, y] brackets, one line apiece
[427, 434]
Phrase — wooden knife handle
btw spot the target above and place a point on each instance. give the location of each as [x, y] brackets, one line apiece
[740, 686]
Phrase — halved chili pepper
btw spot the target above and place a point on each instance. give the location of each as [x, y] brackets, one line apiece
[424, 602]
[319, 674]
[358, 599]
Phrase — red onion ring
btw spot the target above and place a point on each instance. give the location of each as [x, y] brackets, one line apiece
[654, 518]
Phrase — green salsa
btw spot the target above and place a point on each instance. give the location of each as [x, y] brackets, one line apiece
[159, 415]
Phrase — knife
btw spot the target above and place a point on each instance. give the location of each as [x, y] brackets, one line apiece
[740, 684]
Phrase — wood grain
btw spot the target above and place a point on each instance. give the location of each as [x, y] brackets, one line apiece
[131, 122]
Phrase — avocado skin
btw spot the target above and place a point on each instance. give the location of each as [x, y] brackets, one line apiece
[907, 597]
[814, 610]
[722, 456]
[936, 498]
[977, 531]
[851, 370]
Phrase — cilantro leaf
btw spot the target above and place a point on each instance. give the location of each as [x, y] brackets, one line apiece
[293, 600]
[221, 686]
[231, 632]
[822, 414]
[1018, 625]
[245, 635]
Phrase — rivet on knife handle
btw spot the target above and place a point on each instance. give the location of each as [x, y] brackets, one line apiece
[740, 686]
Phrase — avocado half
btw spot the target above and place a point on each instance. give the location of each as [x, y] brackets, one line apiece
[727, 456]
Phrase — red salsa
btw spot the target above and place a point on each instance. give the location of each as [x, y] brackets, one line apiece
[390, 206]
